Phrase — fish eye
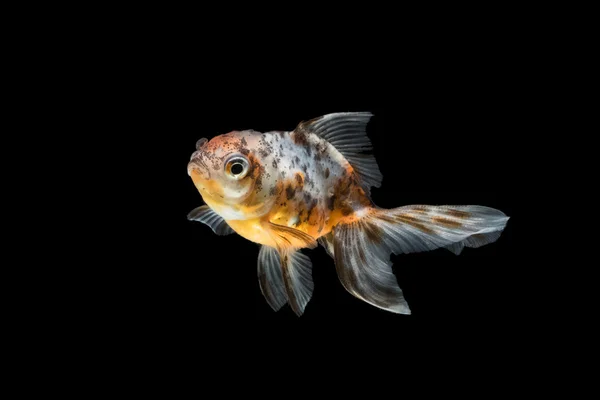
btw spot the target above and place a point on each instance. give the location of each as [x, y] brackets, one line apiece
[236, 167]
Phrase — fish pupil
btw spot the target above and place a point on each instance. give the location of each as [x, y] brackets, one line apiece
[237, 168]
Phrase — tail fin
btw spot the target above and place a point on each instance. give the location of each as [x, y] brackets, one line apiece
[362, 248]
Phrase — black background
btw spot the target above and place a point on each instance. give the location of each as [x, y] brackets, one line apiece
[447, 121]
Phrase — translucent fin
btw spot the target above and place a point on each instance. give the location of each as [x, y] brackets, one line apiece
[270, 277]
[297, 276]
[422, 228]
[363, 247]
[347, 133]
[290, 238]
[364, 267]
[456, 248]
[474, 241]
[285, 278]
[208, 217]
[327, 242]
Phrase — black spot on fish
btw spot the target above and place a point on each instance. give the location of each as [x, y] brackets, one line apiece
[296, 159]
[301, 214]
[300, 138]
[326, 173]
[312, 209]
[259, 175]
[346, 209]
[290, 192]
[274, 164]
[331, 202]
[243, 142]
[322, 147]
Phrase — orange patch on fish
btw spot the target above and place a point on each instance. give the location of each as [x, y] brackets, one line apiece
[314, 215]
[253, 230]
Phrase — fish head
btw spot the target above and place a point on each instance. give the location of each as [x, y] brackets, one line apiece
[230, 176]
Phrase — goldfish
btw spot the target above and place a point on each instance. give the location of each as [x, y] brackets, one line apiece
[294, 190]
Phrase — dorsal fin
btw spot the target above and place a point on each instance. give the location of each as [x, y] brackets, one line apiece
[347, 133]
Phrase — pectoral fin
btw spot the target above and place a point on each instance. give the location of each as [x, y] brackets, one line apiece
[208, 217]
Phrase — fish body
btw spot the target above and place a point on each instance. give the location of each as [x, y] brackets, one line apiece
[288, 190]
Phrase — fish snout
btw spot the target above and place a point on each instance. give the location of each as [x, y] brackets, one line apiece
[197, 168]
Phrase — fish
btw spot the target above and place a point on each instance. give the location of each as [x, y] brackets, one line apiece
[292, 190]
